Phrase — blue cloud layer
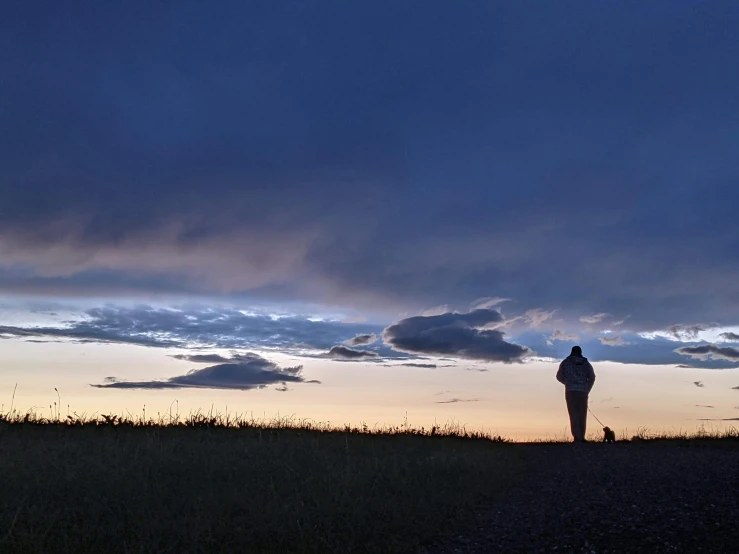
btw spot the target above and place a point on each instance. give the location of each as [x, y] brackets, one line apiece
[482, 334]
[192, 327]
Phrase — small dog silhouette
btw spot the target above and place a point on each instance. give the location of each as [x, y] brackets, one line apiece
[608, 435]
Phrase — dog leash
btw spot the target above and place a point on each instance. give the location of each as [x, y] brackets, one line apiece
[596, 417]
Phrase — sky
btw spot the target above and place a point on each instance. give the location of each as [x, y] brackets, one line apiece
[367, 211]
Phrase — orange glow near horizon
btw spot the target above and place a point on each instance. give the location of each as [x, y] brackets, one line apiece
[522, 402]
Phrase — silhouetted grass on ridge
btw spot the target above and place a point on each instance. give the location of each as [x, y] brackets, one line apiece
[220, 483]
[228, 483]
[217, 420]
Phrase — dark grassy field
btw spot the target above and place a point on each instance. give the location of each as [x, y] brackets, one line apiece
[211, 484]
[202, 486]
[639, 497]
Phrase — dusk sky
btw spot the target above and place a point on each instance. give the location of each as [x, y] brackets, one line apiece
[350, 211]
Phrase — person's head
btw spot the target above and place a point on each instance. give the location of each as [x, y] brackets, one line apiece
[576, 351]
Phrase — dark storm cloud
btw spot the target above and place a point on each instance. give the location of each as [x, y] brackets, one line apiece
[688, 332]
[613, 340]
[375, 154]
[706, 351]
[455, 334]
[193, 326]
[456, 400]
[362, 340]
[418, 365]
[202, 358]
[212, 358]
[345, 353]
[250, 372]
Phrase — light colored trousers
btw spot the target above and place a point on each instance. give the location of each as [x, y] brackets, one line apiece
[577, 406]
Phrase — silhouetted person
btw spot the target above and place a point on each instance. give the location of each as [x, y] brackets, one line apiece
[577, 375]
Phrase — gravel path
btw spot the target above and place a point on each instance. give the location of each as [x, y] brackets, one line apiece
[626, 497]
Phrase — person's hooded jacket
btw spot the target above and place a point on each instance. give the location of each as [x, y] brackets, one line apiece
[576, 374]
